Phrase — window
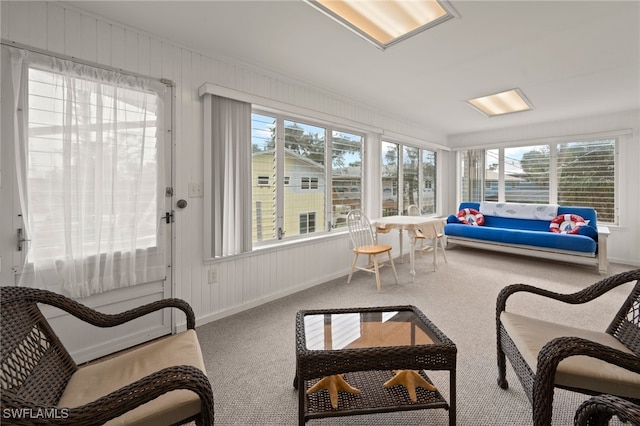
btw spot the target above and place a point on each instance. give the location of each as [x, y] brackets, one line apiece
[389, 179]
[410, 167]
[586, 176]
[309, 183]
[307, 223]
[263, 180]
[428, 200]
[526, 174]
[575, 173]
[418, 179]
[314, 179]
[346, 175]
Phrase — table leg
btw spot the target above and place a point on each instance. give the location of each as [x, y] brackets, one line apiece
[301, 401]
[401, 245]
[412, 255]
[435, 251]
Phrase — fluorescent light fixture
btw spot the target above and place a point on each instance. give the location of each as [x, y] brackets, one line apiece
[501, 103]
[386, 22]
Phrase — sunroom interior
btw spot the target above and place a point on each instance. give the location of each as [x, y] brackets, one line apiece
[339, 124]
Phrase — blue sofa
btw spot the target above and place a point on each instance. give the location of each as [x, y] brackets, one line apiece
[532, 237]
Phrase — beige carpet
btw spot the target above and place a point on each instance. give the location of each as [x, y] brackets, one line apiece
[250, 357]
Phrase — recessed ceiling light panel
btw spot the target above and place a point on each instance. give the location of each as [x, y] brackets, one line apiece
[506, 102]
[386, 22]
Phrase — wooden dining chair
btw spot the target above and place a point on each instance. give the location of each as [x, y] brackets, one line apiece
[414, 210]
[365, 242]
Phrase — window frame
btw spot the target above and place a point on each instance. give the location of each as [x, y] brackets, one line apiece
[553, 189]
[398, 191]
[285, 179]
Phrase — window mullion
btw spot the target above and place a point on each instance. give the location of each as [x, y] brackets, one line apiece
[553, 174]
[328, 178]
[279, 177]
[421, 187]
[501, 167]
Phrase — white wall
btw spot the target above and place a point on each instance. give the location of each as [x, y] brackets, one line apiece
[624, 241]
[243, 281]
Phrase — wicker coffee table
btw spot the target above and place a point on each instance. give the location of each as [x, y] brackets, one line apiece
[365, 346]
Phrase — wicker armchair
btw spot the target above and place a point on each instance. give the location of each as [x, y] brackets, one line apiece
[598, 410]
[611, 360]
[162, 382]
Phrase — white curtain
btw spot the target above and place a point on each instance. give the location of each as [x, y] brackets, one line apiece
[90, 162]
[230, 130]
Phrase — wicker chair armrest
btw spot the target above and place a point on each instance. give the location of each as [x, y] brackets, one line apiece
[560, 348]
[121, 401]
[563, 347]
[92, 316]
[598, 410]
[585, 295]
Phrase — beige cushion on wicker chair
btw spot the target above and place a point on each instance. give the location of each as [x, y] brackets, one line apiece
[97, 379]
[530, 335]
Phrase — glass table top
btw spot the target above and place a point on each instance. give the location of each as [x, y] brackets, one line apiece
[365, 330]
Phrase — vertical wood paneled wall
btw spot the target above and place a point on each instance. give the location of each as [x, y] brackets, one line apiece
[244, 281]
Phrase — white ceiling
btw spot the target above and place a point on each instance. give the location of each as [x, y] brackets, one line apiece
[570, 58]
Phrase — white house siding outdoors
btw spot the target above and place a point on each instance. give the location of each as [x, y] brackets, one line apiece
[248, 280]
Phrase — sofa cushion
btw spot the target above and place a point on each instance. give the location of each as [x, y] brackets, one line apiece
[546, 239]
[519, 210]
[98, 379]
[530, 335]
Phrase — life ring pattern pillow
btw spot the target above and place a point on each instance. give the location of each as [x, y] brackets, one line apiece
[470, 217]
[567, 224]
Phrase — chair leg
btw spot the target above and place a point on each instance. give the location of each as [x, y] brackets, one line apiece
[377, 270]
[353, 267]
[502, 369]
[393, 266]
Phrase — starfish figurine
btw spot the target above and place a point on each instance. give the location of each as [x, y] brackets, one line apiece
[333, 384]
[410, 379]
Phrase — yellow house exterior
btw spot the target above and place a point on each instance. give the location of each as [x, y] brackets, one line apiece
[304, 196]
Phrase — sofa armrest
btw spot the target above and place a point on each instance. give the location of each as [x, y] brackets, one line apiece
[603, 231]
[603, 258]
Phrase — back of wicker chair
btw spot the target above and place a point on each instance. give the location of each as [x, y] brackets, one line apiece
[35, 366]
[626, 324]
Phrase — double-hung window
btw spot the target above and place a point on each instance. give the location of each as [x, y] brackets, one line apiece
[306, 176]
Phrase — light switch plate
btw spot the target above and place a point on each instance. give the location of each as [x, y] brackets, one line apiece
[196, 190]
